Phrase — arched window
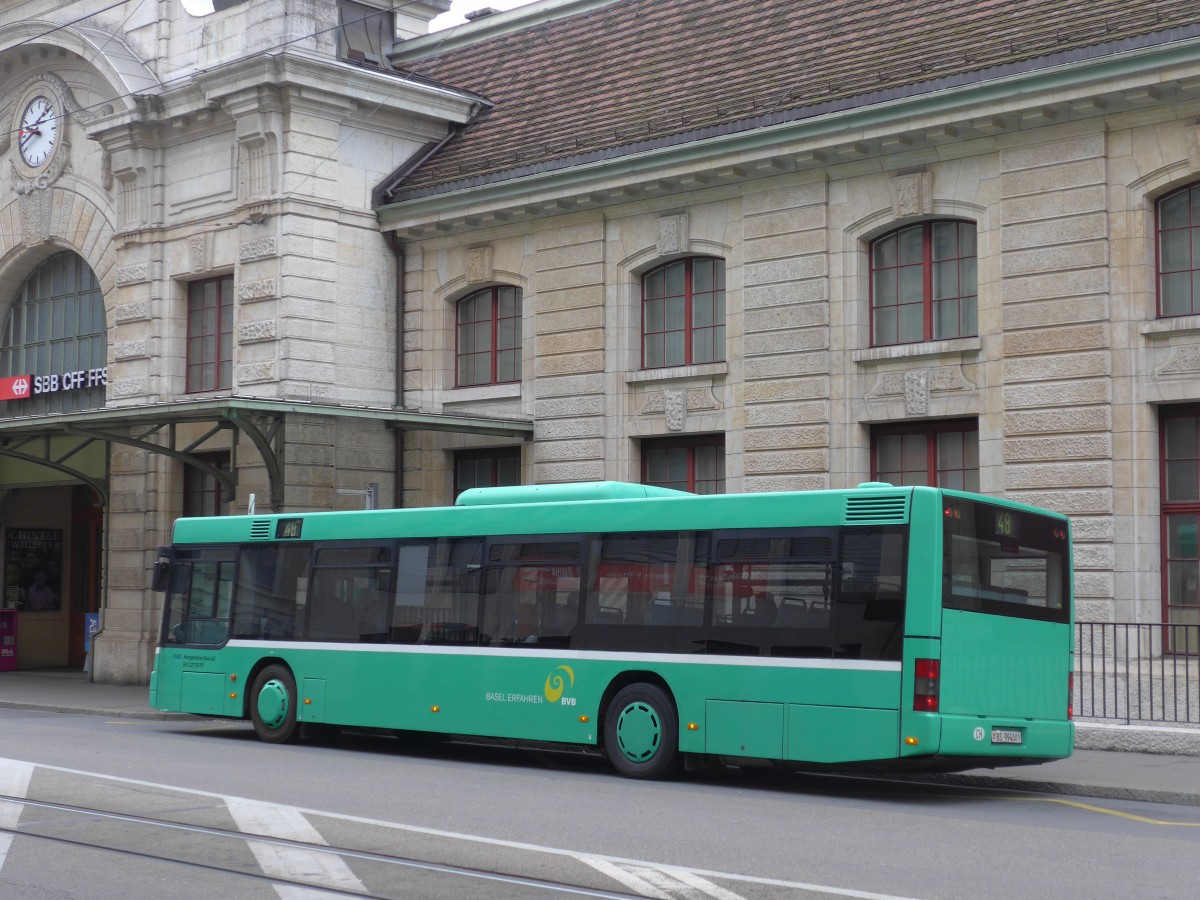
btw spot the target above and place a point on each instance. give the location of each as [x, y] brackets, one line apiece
[489, 337]
[683, 313]
[55, 336]
[1179, 252]
[923, 283]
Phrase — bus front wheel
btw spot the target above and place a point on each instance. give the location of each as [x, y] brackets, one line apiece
[273, 705]
[641, 732]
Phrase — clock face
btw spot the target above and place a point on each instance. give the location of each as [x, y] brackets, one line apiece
[39, 131]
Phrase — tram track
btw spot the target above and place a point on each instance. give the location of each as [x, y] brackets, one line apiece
[401, 890]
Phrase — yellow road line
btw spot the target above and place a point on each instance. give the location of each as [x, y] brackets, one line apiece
[1108, 812]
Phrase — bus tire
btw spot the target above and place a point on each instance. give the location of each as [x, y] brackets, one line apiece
[641, 732]
[273, 705]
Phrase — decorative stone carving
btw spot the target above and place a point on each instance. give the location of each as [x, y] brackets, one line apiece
[131, 312]
[198, 252]
[1183, 360]
[264, 289]
[35, 208]
[673, 234]
[259, 248]
[916, 392]
[912, 195]
[675, 407]
[127, 387]
[918, 386]
[479, 265]
[256, 373]
[702, 398]
[134, 274]
[131, 350]
[254, 332]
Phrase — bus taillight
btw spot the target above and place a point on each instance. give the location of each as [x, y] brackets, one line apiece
[925, 691]
[1070, 696]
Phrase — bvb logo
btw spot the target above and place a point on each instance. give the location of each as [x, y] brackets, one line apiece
[556, 684]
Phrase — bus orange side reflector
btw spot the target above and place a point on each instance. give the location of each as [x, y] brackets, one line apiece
[912, 741]
[233, 696]
[307, 701]
[585, 718]
[692, 726]
[435, 709]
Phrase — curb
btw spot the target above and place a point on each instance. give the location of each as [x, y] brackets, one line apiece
[1137, 738]
[1096, 791]
[112, 713]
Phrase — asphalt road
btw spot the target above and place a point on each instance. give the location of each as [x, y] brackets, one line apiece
[133, 808]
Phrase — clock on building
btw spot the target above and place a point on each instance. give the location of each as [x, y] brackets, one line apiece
[38, 133]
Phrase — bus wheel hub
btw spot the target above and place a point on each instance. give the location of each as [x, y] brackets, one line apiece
[273, 703]
[639, 732]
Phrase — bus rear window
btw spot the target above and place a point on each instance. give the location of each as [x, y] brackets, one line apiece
[1004, 561]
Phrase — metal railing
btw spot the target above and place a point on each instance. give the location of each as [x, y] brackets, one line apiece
[1141, 673]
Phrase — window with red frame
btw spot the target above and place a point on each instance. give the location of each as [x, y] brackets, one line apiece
[685, 464]
[923, 283]
[489, 337]
[203, 494]
[492, 467]
[1178, 235]
[1179, 437]
[210, 334]
[941, 454]
[683, 313]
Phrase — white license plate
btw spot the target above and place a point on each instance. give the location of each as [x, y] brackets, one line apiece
[1006, 736]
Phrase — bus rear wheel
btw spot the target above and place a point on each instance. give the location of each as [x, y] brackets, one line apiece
[273, 705]
[641, 732]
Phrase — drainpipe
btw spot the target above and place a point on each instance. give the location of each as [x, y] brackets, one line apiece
[397, 249]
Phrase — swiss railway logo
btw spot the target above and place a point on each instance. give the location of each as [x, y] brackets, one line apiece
[16, 387]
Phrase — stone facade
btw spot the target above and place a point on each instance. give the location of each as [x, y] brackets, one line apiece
[238, 143]
[1064, 378]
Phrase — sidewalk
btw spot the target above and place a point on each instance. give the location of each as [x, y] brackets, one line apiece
[1113, 773]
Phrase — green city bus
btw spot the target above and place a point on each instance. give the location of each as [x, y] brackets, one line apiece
[877, 625]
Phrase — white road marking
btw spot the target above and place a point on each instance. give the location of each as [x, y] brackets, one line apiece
[293, 863]
[664, 883]
[14, 782]
[488, 841]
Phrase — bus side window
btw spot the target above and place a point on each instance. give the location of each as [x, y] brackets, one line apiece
[449, 611]
[270, 588]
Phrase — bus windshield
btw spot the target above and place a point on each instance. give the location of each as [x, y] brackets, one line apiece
[1004, 561]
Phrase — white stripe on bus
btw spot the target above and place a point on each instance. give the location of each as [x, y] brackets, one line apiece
[781, 662]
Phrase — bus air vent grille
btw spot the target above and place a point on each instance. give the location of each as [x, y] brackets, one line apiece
[881, 508]
[260, 530]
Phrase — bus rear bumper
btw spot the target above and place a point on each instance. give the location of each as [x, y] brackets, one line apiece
[999, 737]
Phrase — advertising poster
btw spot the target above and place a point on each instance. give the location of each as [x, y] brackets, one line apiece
[33, 569]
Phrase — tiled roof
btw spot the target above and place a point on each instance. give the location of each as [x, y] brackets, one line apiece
[638, 71]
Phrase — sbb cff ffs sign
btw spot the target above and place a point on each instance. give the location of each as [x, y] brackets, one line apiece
[22, 387]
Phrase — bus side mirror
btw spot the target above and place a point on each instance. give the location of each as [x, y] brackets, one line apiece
[162, 570]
